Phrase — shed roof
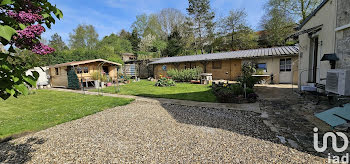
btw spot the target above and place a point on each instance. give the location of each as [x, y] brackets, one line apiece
[262, 52]
[74, 63]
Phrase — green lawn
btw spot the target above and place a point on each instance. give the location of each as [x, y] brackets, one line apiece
[48, 108]
[182, 91]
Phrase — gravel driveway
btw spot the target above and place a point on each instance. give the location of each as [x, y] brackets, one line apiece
[156, 133]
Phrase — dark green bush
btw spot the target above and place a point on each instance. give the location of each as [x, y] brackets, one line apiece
[73, 80]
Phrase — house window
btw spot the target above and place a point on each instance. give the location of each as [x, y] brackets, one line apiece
[57, 71]
[286, 65]
[79, 71]
[262, 67]
[217, 64]
[86, 70]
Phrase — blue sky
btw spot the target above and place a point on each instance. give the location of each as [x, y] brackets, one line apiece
[110, 16]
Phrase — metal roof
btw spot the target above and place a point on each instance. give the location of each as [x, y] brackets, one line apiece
[254, 53]
[74, 63]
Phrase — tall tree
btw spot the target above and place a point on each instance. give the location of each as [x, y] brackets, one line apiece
[140, 24]
[135, 40]
[169, 19]
[84, 36]
[153, 27]
[299, 9]
[277, 26]
[92, 37]
[175, 44]
[118, 44]
[202, 18]
[57, 43]
[124, 34]
[230, 25]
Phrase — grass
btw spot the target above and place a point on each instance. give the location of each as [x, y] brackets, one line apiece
[182, 91]
[48, 108]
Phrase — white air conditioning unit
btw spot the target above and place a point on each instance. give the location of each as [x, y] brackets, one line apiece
[338, 81]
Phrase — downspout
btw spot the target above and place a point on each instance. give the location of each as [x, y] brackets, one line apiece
[299, 69]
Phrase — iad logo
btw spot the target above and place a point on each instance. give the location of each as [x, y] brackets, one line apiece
[332, 159]
[334, 141]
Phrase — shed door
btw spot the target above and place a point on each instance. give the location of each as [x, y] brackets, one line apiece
[286, 71]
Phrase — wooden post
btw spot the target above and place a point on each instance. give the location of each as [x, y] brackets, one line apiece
[176, 65]
[205, 63]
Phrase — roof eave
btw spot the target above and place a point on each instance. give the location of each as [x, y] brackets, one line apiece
[312, 15]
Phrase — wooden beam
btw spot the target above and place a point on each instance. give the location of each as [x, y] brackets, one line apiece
[205, 63]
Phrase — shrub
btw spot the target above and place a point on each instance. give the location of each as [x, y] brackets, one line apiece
[73, 81]
[165, 82]
[247, 71]
[233, 93]
[96, 76]
[185, 75]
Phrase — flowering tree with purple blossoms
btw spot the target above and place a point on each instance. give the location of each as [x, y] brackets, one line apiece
[21, 25]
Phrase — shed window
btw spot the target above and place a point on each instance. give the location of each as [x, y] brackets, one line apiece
[262, 67]
[217, 64]
[79, 71]
[57, 71]
[286, 65]
[86, 70]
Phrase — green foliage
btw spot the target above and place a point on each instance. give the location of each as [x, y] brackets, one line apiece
[202, 18]
[175, 45]
[248, 69]
[83, 37]
[277, 27]
[73, 81]
[96, 76]
[260, 72]
[57, 43]
[165, 82]
[116, 44]
[298, 9]
[116, 59]
[237, 35]
[135, 40]
[233, 93]
[185, 75]
[13, 80]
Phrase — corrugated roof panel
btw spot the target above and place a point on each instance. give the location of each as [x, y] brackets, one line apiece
[275, 51]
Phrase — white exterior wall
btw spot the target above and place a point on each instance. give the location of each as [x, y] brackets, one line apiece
[326, 16]
[43, 75]
[273, 67]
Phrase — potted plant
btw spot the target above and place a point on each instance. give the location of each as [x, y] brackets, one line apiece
[127, 79]
[110, 80]
[96, 78]
[104, 79]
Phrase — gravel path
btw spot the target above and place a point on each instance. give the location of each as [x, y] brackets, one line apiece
[155, 133]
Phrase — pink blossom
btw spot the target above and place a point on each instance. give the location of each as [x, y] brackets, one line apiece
[24, 17]
[42, 49]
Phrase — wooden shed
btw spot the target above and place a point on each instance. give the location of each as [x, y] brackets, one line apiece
[84, 70]
[277, 64]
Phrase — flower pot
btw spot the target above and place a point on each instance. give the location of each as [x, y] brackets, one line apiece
[109, 84]
[102, 84]
[97, 84]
